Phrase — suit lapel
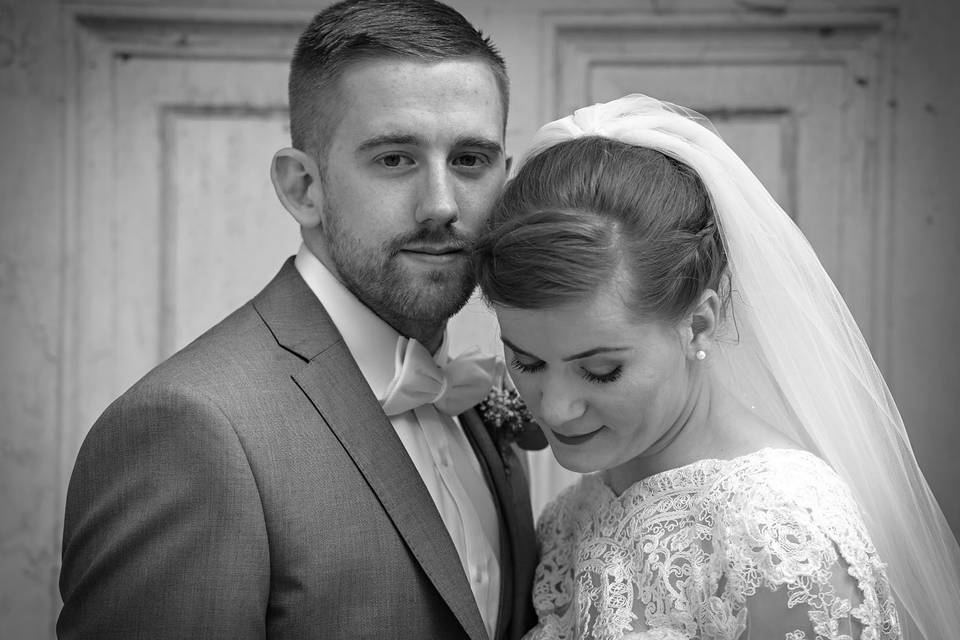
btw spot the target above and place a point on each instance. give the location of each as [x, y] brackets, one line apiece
[336, 387]
[497, 479]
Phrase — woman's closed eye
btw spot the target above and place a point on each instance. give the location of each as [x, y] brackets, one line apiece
[605, 377]
[526, 367]
[597, 377]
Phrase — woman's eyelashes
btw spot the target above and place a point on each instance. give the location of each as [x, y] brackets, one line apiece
[603, 378]
[591, 376]
[526, 367]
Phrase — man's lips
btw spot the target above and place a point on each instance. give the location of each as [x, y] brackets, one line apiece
[435, 256]
[435, 251]
[575, 440]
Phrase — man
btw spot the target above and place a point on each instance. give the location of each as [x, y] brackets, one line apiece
[280, 477]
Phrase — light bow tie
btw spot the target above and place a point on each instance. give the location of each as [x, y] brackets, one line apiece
[452, 388]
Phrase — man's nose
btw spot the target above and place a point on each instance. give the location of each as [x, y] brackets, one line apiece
[438, 201]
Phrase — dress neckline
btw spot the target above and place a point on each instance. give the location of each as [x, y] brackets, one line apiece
[684, 474]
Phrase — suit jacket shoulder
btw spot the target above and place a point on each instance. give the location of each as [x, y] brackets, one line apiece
[250, 486]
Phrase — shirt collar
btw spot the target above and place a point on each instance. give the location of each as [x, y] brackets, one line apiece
[371, 341]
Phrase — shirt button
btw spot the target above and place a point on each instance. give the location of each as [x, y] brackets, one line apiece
[444, 456]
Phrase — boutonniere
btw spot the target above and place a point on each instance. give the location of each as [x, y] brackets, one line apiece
[507, 418]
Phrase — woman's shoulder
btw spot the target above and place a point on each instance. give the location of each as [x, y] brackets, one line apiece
[777, 503]
[781, 479]
[781, 474]
[765, 467]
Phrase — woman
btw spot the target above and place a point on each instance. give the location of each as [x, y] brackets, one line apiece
[676, 338]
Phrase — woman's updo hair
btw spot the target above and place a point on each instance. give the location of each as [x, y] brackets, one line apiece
[591, 211]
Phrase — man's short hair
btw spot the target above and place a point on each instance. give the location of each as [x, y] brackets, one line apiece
[357, 30]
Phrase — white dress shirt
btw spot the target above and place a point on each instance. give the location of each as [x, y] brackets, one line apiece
[435, 442]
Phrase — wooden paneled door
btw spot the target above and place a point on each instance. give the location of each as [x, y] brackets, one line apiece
[175, 222]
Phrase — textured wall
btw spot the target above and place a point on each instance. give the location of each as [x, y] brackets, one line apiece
[925, 240]
[31, 116]
[35, 273]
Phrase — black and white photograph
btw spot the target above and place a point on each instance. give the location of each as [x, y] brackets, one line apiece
[479, 319]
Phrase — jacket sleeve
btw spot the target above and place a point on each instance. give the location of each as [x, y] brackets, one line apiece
[164, 532]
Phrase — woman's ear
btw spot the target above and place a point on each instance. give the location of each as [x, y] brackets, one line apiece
[702, 324]
[296, 179]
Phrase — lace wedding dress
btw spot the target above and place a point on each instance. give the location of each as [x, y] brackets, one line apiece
[766, 546]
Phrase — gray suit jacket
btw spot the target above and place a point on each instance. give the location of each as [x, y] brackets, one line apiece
[251, 487]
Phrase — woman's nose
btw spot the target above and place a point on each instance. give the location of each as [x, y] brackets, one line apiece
[559, 404]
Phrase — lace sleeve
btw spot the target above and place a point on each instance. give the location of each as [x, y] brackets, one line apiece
[800, 562]
[828, 605]
[554, 537]
[559, 528]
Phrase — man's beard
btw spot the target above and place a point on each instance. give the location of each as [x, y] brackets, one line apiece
[381, 281]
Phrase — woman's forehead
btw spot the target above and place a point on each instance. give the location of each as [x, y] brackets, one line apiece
[598, 321]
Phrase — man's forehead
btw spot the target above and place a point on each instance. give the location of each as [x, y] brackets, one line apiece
[397, 67]
[387, 85]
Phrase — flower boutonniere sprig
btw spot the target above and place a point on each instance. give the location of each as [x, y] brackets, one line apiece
[506, 416]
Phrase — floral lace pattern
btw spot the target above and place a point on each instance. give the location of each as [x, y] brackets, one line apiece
[766, 545]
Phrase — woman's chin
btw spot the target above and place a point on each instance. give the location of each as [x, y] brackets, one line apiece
[576, 462]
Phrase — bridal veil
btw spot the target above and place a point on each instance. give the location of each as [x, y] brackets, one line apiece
[793, 353]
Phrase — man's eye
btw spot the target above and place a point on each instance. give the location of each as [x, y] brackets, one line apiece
[470, 160]
[394, 160]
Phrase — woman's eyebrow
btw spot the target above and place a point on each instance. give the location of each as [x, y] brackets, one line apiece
[516, 349]
[593, 352]
[576, 356]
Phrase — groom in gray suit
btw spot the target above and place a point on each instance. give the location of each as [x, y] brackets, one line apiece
[313, 466]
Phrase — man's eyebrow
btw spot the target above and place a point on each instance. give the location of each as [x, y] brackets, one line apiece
[387, 139]
[491, 146]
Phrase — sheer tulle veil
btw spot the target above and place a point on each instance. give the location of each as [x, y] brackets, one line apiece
[792, 352]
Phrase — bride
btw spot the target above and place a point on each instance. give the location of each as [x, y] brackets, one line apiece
[677, 339]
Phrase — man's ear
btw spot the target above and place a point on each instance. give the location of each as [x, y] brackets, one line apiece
[701, 325]
[296, 179]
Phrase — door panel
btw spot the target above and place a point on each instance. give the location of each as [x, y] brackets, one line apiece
[208, 229]
[225, 230]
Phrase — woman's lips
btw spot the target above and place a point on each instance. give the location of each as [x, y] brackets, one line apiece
[575, 440]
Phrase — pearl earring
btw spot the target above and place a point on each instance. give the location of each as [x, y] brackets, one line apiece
[701, 354]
